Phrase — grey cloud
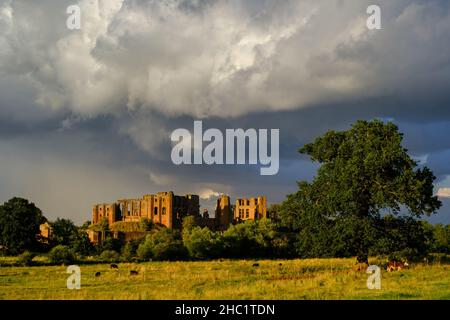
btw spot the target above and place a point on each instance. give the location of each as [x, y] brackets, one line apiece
[85, 116]
[234, 58]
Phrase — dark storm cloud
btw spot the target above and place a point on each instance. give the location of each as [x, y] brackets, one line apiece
[86, 116]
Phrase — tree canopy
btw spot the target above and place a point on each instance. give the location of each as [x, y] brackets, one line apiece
[365, 172]
[19, 225]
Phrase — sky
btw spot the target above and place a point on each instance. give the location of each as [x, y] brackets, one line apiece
[86, 115]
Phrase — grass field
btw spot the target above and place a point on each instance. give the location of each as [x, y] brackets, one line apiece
[293, 279]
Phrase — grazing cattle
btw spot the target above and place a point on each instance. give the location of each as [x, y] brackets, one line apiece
[256, 265]
[280, 264]
[114, 266]
[97, 274]
[396, 266]
[133, 273]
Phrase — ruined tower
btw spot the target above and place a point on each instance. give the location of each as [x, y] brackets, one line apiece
[224, 216]
[250, 209]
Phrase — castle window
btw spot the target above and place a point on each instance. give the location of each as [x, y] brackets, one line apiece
[163, 211]
[248, 202]
[247, 213]
[155, 211]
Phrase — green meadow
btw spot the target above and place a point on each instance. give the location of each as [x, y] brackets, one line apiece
[227, 279]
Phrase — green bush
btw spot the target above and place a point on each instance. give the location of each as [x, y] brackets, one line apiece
[202, 243]
[25, 259]
[109, 256]
[255, 239]
[162, 244]
[145, 250]
[61, 255]
[127, 253]
[111, 243]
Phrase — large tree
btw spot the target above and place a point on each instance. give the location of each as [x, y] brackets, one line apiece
[19, 225]
[364, 172]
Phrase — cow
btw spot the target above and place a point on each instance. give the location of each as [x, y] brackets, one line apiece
[396, 266]
[256, 265]
[133, 273]
[97, 274]
[114, 266]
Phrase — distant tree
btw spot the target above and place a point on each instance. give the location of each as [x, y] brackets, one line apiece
[86, 225]
[364, 172]
[64, 232]
[109, 256]
[162, 244]
[82, 244]
[441, 235]
[256, 239]
[202, 243]
[61, 255]
[439, 242]
[111, 243]
[127, 253]
[19, 225]
[188, 224]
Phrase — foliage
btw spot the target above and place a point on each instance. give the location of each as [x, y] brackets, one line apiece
[364, 170]
[19, 225]
[109, 256]
[187, 225]
[128, 226]
[61, 255]
[100, 226]
[85, 226]
[162, 244]
[110, 243]
[81, 244]
[127, 253]
[401, 238]
[25, 259]
[202, 243]
[146, 224]
[64, 232]
[255, 239]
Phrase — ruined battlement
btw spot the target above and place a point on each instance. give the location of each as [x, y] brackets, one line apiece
[168, 209]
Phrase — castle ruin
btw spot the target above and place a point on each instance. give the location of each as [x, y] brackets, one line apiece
[168, 209]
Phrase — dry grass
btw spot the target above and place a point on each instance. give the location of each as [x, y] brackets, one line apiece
[294, 279]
